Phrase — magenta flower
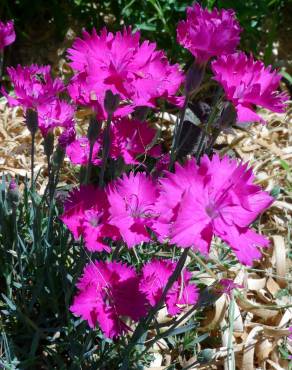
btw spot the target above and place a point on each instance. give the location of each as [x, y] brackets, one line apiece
[248, 83]
[67, 137]
[226, 286]
[109, 293]
[155, 275]
[208, 34]
[33, 86]
[118, 62]
[131, 200]
[132, 138]
[78, 152]
[7, 34]
[56, 113]
[86, 214]
[216, 198]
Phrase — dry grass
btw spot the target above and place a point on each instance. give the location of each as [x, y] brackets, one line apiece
[255, 324]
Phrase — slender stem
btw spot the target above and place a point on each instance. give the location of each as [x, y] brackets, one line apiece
[213, 140]
[105, 149]
[206, 131]
[54, 182]
[89, 165]
[168, 331]
[230, 351]
[177, 131]
[32, 159]
[144, 324]
[1, 63]
[202, 263]
[116, 251]
[14, 216]
[201, 145]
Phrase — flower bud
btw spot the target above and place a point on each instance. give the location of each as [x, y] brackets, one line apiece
[141, 113]
[111, 102]
[194, 77]
[49, 144]
[31, 117]
[227, 118]
[13, 195]
[93, 130]
[58, 157]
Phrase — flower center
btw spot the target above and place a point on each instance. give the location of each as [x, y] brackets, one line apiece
[211, 210]
[94, 218]
[135, 209]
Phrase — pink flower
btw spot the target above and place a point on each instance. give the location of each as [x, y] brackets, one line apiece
[247, 83]
[78, 152]
[226, 286]
[132, 138]
[56, 113]
[155, 275]
[67, 137]
[118, 62]
[7, 34]
[208, 34]
[216, 198]
[86, 214]
[131, 200]
[109, 293]
[290, 336]
[33, 86]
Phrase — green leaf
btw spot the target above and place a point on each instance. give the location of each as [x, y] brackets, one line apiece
[9, 302]
[286, 75]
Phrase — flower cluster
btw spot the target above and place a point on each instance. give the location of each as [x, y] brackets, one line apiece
[136, 71]
[7, 34]
[186, 207]
[111, 293]
[246, 82]
[159, 201]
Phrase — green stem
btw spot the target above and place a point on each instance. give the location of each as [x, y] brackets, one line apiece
[32, 159]
[230, 352]
[52, 191]
[1, 63]
[89, 165]
[177, 132]
[207, 129]
[105, 149]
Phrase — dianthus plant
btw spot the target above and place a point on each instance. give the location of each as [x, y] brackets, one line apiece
[149, 215]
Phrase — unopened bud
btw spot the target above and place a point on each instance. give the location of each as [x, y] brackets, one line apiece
[49, 144]
[227, 118]
[13, 193]
[194, 77]
[111, 102]
[141, 113]
[93, 130]
[31, 117]
[67, 137]
[58, 157]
